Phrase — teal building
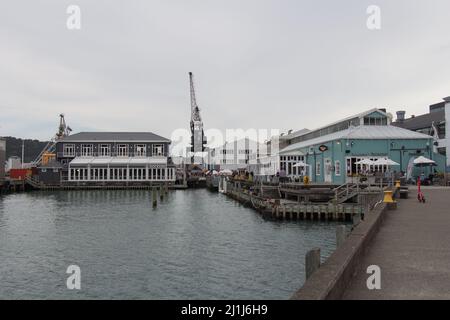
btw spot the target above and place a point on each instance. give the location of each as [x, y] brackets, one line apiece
[330, 154]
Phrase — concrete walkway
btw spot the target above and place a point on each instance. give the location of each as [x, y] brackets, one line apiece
[412, 249]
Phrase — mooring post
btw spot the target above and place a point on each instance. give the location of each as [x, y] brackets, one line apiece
[161, 192]
[154, 197]
[340, 235]
[356, 219]
[312, 261]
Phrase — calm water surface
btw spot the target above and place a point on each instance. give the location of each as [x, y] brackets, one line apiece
[195, 245]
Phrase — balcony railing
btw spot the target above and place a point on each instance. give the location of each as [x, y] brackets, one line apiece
[110, 154]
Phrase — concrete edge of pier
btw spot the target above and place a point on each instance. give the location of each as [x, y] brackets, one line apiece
[331, 279]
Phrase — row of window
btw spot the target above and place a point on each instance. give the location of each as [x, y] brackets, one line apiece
[337, 168]
[230, 161]
[118, 174]
[104, 150]
[375, 121]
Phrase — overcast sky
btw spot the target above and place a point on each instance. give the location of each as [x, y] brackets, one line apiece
[257, 64]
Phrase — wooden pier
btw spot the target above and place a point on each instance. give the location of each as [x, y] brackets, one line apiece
[335, 209]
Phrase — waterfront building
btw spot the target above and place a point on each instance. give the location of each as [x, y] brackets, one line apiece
[233, 155]
[432, 123]
[93, 158]
[13, 162]
[270, 161]
[330, 153]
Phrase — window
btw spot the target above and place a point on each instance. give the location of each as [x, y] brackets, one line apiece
[140, 150]
[86, 150]
[375, 121]
[69, 150]
[105, 150]
[55, 170]
[318, 169]
[157, 150]
[44, 170]
[337, 168]
[122, 150]
[353, 168]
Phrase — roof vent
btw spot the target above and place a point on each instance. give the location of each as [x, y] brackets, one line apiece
[401, 116]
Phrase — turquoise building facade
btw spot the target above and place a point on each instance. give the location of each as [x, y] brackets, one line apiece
[331, 153]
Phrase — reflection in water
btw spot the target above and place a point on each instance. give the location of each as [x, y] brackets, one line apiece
[194, 245]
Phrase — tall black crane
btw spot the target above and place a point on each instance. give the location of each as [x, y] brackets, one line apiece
[198, 139]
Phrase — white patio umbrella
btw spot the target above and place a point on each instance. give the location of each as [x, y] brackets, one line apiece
[226, 172]
[423, 161]
[386, 162]
[367, 162]
[300, 164]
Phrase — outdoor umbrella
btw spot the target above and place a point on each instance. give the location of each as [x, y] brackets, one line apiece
[226, 172]
[422, 161]
[300, 164]
[386, 162]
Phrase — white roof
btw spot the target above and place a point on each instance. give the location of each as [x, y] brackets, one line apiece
[118, 160]
[361, 133]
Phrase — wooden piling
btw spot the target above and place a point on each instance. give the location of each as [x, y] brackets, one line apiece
[340, 235]
[312, 261]
[154, 197]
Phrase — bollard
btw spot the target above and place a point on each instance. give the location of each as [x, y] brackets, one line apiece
[312, 261]
[356, 219]
[154, 197]
[397, 183]
[390, 202]
[341, 234]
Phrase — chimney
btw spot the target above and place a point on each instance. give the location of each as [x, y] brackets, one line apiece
[401, 116]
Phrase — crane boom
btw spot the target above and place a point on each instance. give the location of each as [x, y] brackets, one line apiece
[195, 111]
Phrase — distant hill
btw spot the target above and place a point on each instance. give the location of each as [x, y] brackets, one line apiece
[32, 148]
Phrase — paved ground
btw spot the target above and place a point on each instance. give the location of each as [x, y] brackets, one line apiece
[412, 249]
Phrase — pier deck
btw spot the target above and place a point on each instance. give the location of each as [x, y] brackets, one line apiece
[412, 250]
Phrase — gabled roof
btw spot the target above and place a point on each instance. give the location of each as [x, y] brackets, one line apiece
[361, 133]
[358, 115]
[115, 136]
[295, 134]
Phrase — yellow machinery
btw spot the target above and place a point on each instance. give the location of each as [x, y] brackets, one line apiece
[48, 157]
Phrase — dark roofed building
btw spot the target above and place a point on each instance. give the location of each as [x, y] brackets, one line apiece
[116, 136]
[427, 123]
[117, 158]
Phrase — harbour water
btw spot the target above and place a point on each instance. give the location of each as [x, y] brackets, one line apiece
[195, 245]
